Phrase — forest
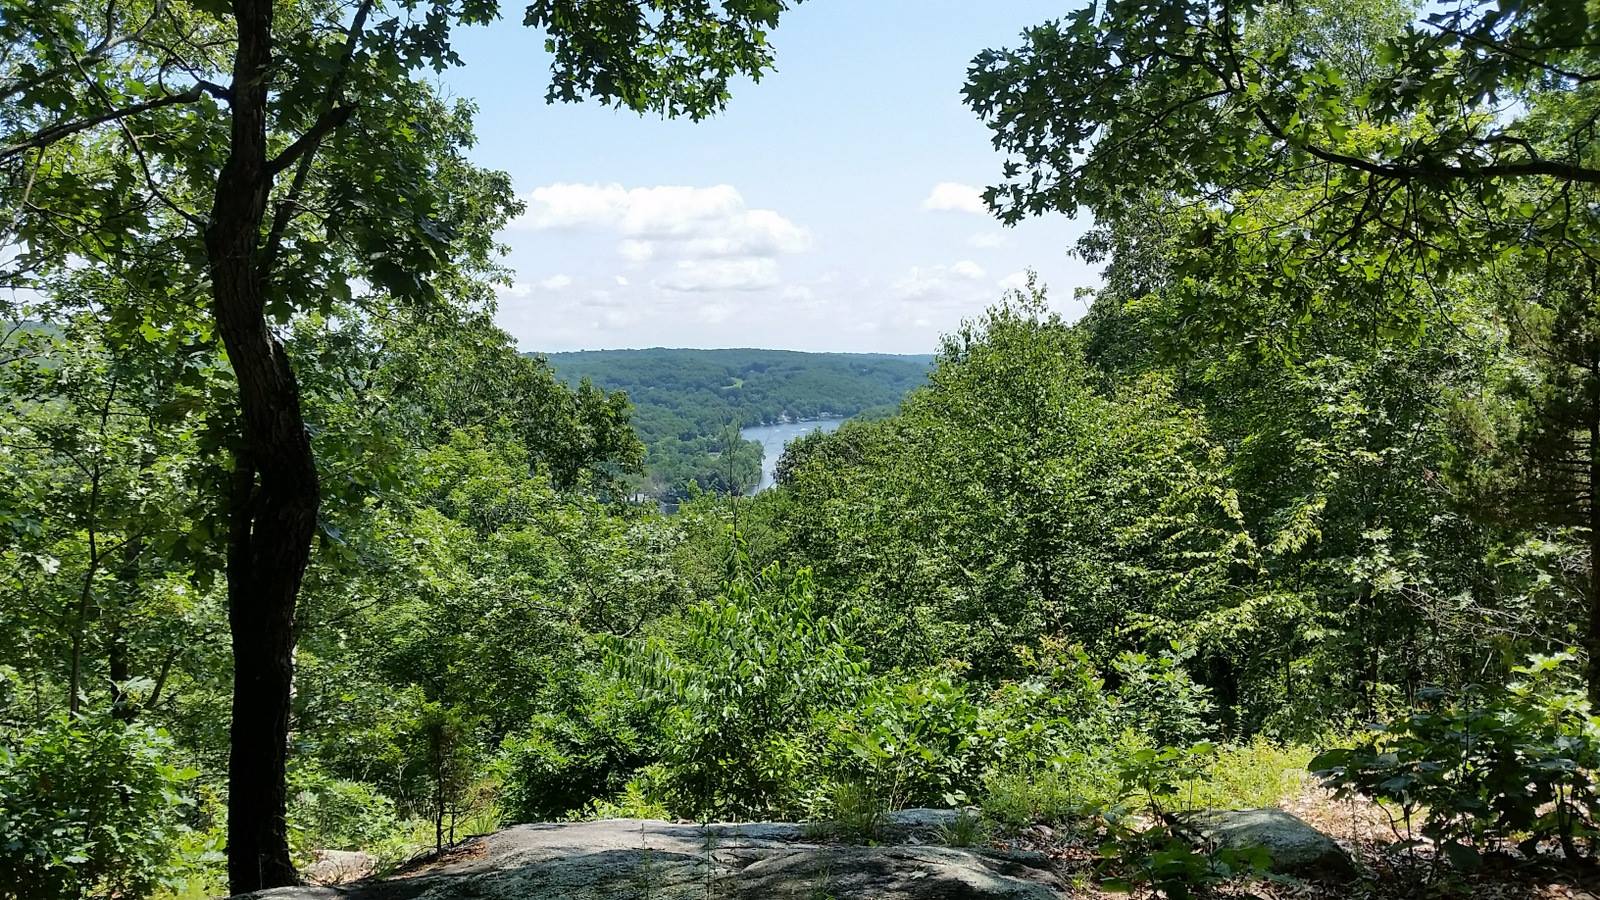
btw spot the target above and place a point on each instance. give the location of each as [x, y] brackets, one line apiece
[685, 401]
[299, 554]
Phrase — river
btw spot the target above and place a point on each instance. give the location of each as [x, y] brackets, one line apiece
[774, 437]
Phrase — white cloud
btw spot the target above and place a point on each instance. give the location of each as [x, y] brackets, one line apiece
[635, 251]
[1016, 281]
[967, 269]
[923, 282]
[556, 282]
[666, 220]
[695, 275]
[714, 313]
[616, 318]
[953, 196]
[756, 232]
[622, 280]
[648, 211]
[987, 240]
[517, 289]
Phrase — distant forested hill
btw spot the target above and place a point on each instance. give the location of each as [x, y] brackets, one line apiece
[686, 399]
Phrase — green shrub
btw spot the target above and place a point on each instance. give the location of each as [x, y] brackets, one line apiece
[736, 688]
[1133, 854]
[1019, 798]
[563, 762]
[1489, 767]
[1059, 709]
[90, 808]
[1156, 696]
[857, 812]
[327, 813]
[1252, 776]
[1074, 785]
[638, 799]
[913, 742]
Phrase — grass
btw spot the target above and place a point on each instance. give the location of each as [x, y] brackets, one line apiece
[967, 829]
[855, 813]
[1080, 785]
[1251, 776]
[1248, 776]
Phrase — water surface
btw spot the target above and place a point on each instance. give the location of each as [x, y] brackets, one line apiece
[774, 437]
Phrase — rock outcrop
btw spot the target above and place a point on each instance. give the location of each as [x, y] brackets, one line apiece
[1294, 847]
[619, 859]
[339, 867]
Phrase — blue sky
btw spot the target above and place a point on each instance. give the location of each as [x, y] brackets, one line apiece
[831, 207]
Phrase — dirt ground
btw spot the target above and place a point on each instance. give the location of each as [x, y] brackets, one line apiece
[1365, 831]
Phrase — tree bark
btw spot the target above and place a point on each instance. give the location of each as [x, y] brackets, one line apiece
[86, 595]
[1592, 633]
[274, 496]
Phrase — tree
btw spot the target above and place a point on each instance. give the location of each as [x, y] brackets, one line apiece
[1531, 437]
[272, 151]
[1416, 123]
[1321, 159]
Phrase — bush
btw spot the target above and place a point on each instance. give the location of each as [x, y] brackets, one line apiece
[1252, 776]
[638, 799]
[1157, 696]
[858, 812]
[737, 688]
[557, 767]
[327, 813]
[1074, 785]
[1489, 767]
[88, 808]
[911, 742]
[1060, 709]
[967, 829]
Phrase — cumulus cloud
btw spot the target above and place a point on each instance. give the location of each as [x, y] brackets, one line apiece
[1016, 281]
[666, 220]
[522, 289]
[987, 240]
[756, 232]
[953, 196]
[647, 211]
[967, 269]
[923, 282]
[636, 251]
[697, 275]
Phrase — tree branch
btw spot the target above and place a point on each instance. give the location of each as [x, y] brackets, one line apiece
[47, 136]
[99, 51]
[306, 143]
[305, 148]
[1522, 169]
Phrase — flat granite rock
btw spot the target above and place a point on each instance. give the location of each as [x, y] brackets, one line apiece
[633, 858]
[897, 873]
[1295, 847]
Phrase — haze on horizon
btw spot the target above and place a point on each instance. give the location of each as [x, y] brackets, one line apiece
[833, 207]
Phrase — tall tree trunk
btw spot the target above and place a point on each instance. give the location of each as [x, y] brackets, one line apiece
[1592, 634]
[118, 666]
[274, 496]
[86, 595]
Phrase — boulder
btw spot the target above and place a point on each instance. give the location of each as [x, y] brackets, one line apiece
[339, 867]
[632, 858]
[897, 873]
[1294, 847]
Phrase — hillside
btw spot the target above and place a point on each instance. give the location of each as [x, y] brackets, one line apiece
[685, 400]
